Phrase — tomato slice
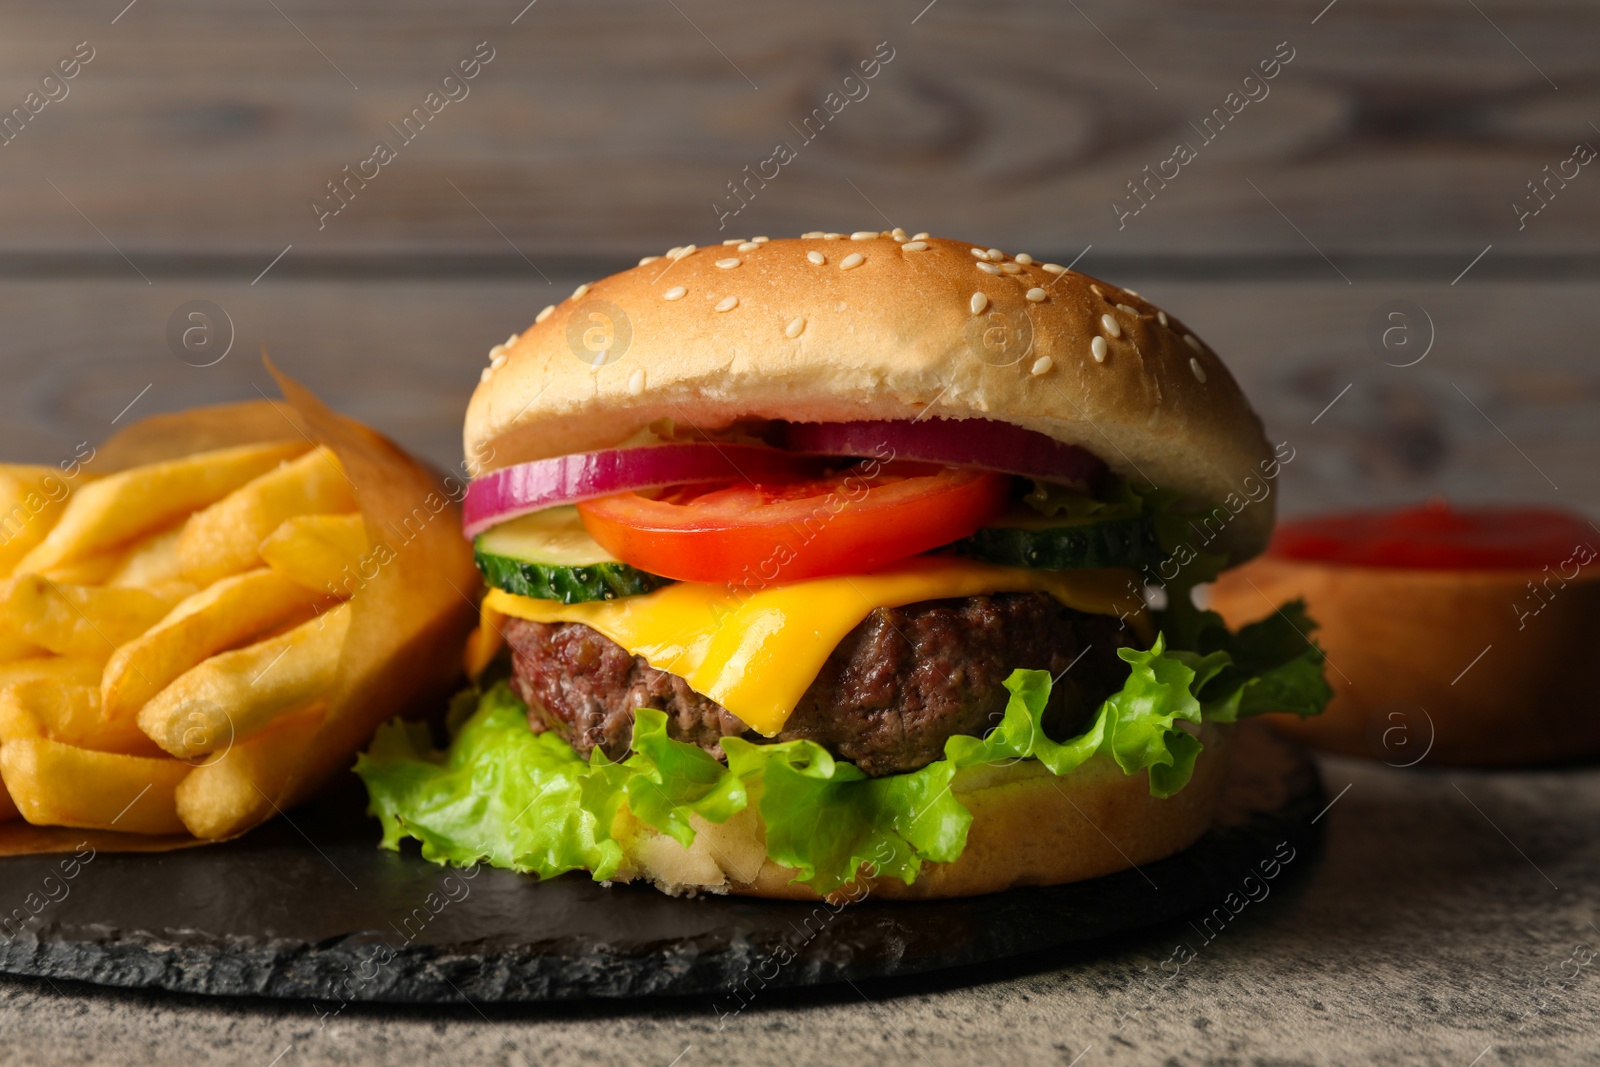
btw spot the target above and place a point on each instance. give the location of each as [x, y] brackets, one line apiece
[847, 522]
[1437, 536]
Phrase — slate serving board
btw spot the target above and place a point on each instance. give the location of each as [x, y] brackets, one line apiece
[309, 908]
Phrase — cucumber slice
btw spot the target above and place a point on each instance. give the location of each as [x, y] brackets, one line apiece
[1129, 542]
[548, 555]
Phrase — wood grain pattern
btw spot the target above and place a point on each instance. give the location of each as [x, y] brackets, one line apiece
[610, 128]
[1505, 406]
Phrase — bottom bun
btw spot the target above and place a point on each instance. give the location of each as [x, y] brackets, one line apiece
[1455, 667]
[1029, 827]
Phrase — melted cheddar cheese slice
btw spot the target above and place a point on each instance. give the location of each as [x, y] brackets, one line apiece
[756, 651]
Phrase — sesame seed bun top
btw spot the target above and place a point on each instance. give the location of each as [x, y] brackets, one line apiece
[839, 327]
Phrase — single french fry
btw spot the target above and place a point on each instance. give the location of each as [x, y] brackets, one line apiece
[54, 784]
[90, 570]
[13, 647]
[61, 670]
[226, 537]
[218, 617]
[320, 552]
[120, 507]
[235, 694]
[151, 560]
[69, 714]
[31, 500]
[80, 620]
[237, 789]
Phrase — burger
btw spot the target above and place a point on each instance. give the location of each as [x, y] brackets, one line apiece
[847, 564]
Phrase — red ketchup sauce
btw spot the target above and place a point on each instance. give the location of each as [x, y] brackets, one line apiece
[1439, 537]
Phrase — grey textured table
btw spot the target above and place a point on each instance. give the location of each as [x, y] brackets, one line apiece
[1431, 929]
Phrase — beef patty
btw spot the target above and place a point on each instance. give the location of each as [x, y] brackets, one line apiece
[895, 689]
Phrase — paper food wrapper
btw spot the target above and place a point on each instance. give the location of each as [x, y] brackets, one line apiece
[409, 620]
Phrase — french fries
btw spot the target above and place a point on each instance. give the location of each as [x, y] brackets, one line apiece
[315, 550]
[177, 647]
[68, 713]
[234, 694]
[226, 537]
[108, 791]
[215, 619]
[235, 791]
[120, 507]
[31, 499]
[80, 620]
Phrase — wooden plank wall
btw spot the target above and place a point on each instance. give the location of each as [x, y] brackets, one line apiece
[1383, 159]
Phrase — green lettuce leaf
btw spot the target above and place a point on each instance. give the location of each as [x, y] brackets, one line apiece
[505, 795]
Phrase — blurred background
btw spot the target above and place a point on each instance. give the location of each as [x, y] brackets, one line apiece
[1379, 212]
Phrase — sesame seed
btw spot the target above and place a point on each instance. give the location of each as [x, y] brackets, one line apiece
[1054, 268]
[729, 263]
[733, 241]
[833, 237]
[863, 235]
[988, 268]
[914, 246]
[672, 253]
[980, 253]
[1095, 289]
[759, 240]
[749, 246]
[580, 290]
[1113, 327]
[1036, 294]
[545, 314]
[1193, 342]
[816, 257]
[1011, 268]
[1042, 365]
[796, 326]
[1024, 258]
[1097, 349]
[811, 235]
[978, 302]
[511, 340]
[496, 352]
[1130, 310]
[684, 252]
[1161, 317]
[1199, 371]
[898, 234]
[728, 303]
[485, 375]
[647, 260]
[923, 236]
[854, 259]
[499, 361]
[636, 381]
[675, 293]
[1130, 292]
[995, 255]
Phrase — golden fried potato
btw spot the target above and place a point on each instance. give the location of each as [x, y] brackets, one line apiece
[152, 560]
[8, 808]
[80, 620]
[31, 501]
[69, 714]
[120, 507]
[226, 537]
[62, 670]
[217, 618]
[54, 784]
[232, 695]
[13, 647]
[90, 570]
[235, 790]
[315, 551]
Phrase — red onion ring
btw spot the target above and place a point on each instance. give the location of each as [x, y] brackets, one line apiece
[545, 483]
[983, 443]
